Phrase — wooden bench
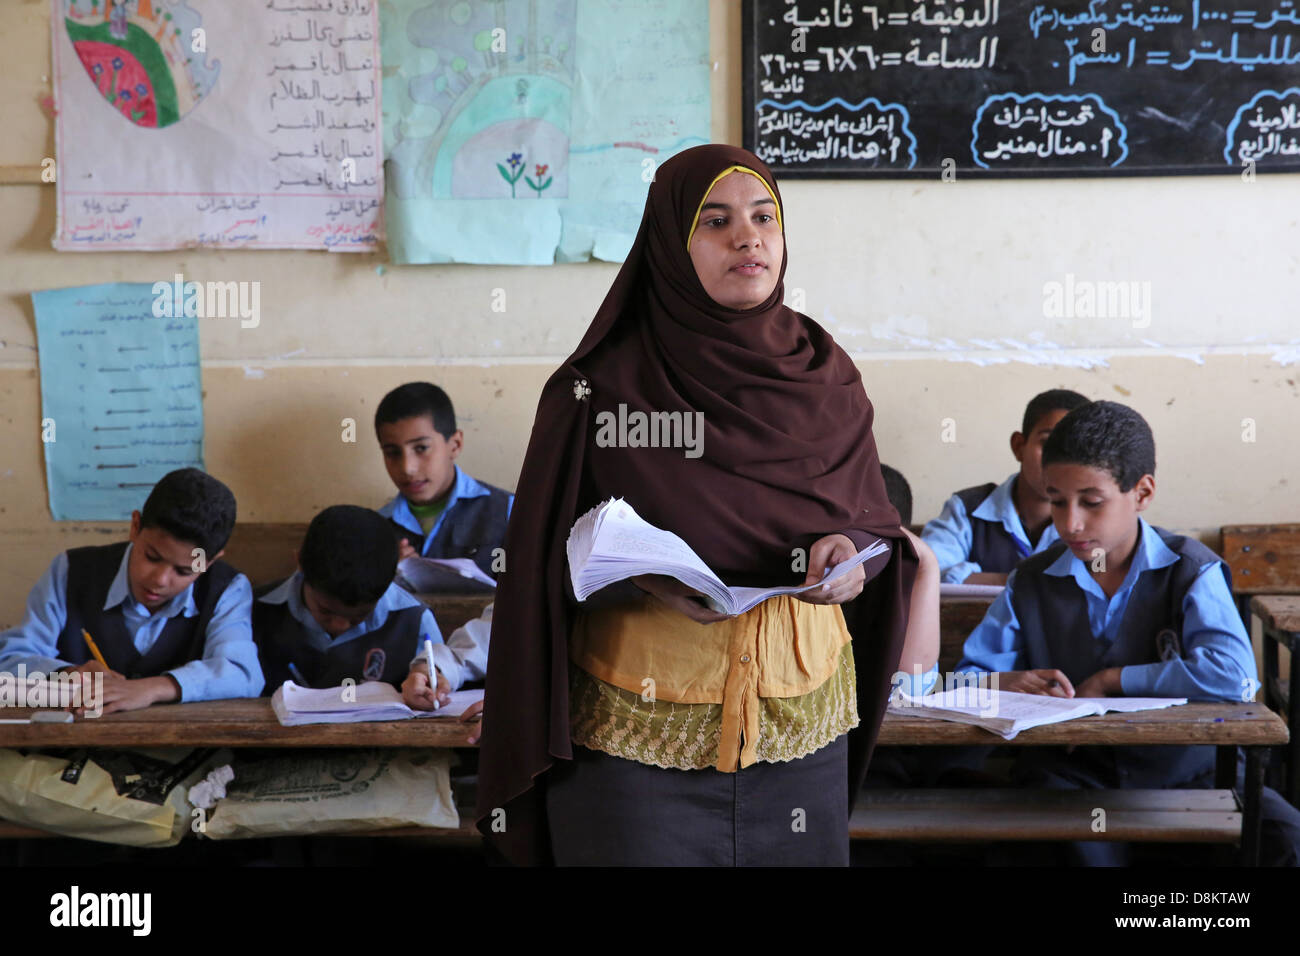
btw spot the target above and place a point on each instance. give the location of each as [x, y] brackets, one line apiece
[464, 835]
[265, 551]
[1264, 558]
[977, 816]
[1265, 563]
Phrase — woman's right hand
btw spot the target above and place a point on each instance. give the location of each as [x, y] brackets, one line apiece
[679, 597]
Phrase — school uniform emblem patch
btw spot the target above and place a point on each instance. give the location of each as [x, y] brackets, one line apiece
[374, 667]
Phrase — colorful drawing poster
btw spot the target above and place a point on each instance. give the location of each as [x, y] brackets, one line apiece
[121, 399]
[243, 124]
[528, 133]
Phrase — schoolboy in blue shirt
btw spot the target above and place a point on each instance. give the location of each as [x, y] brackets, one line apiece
[340, 616]
[170, 618]
[986, 530]
[440, 511]
[1118, 608]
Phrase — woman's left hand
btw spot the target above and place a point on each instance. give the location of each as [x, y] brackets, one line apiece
[826, 553]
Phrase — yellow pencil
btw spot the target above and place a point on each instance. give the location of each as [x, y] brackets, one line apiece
[90, 642]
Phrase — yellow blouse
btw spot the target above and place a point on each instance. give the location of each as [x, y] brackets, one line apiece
[649, 684]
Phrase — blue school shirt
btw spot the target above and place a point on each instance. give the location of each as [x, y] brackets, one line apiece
[1217, 663]
[228, 668]
[465, 486]
[949, 535]
[393, 599]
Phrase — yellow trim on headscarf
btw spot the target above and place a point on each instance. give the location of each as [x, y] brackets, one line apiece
[726, 172]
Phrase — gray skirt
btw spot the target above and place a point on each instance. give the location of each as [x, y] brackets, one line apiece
[609, 811]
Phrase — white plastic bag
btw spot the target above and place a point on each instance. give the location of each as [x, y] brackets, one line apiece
[335, 791]
[130, 797]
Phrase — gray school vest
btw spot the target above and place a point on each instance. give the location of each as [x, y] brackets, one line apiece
[1053, 616]
[91, 571]
[384, 654]
[992, 548]
[473, 528]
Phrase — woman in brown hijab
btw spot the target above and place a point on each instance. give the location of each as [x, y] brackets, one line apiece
[640, 727]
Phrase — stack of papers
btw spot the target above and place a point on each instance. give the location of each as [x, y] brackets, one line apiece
[373, 700]
[612, 542]
[1006, 713]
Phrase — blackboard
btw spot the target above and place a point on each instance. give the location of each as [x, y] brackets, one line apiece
[936, 88]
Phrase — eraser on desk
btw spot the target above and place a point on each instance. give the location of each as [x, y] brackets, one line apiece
[52, 717]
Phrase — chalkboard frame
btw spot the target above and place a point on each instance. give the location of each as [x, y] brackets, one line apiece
[749, 69]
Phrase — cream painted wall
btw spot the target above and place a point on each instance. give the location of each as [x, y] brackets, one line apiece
[922, 282]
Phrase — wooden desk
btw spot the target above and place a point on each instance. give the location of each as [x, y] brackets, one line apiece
[246, 722]
[1195, 814]
[1222, 725]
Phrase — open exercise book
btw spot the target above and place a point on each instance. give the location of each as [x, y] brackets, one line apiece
[372, 700]
[970, 590]
[1006, 713]
[612, 542]
[431, 575]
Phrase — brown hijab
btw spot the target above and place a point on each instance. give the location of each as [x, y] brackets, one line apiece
[788, 457]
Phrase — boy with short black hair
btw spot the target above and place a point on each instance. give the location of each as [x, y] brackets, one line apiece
[440, 511]
[171, 619]
[340, 616]
[1117, 607]
[985, 530]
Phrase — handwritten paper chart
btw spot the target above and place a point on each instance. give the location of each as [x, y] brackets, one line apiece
[121, 400]
[188, 123]
[1022, 87]
[527, 133]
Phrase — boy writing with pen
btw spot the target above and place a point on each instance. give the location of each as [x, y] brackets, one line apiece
[340, 616]
[158, 615]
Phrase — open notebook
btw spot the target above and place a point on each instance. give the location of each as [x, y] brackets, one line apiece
[611, 542]
[1006, 713]
[372, 700]
[432, 575]
[970, 590]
